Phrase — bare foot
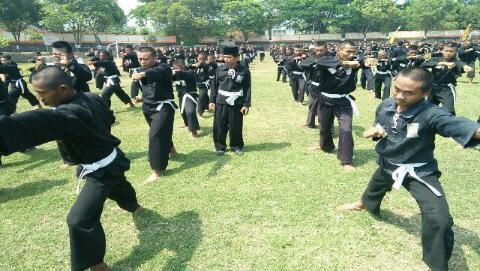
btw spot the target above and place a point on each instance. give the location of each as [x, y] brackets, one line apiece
[156, 174]
[139, 209]
[315, 148]
[355, 206]
[194, 134]
[100, 267]
[65, 166]
[348, 167]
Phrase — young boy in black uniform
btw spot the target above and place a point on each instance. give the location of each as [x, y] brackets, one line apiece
[186, 86]
[469, 54]
[405, 127]
[158, 107]
[112, 79]
[445, 72]
[383, 75]
[297, 74]
[230, 99]
[18, 86]
[90, 144]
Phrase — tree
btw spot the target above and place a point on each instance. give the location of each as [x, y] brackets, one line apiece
[273, 15]
[94, 16]
[16, 16]
[427, 15]
[3, 42]
[246, 16]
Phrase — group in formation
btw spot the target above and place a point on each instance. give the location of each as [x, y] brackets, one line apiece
[218, 80]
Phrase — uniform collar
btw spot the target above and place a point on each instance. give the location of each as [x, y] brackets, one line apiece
[410, 112]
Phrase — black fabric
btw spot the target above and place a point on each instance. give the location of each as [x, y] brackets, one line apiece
[228, 119]
[160, 136]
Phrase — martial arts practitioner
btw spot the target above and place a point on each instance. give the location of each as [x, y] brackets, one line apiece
[367, 79]
[383, 75]
[230, 99]
[14, 79]
[185, 82]
[111, 77]
[411, 60]
[445, 72]
[203, 82]
[338, 79]
[90, 145]
[158, 107]
[131, 65]
[469, 54]
[405, 128]
[297, 74]
[309, 65]
[7, 107]
[80, 73]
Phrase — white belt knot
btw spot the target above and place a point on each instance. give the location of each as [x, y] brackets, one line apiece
[401, 172]
[110, 79]
[231, 96]
[206, 83]
[184, 100]
[169, 102]
[19, 84]
[356, 112]
[89, 168]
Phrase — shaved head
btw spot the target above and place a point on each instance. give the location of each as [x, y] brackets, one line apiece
[51, 77]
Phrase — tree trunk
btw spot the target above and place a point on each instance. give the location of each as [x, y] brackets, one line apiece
[270, 32]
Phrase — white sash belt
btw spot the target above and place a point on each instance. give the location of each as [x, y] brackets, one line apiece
[19, 84]
[110, 79]
[206, 83]
[231, 96]
[454, 92]
[89, 168]
[338, 96]
[387, 72]
[399, 175]
[169, 102]
[184, 100]
[300, 73]
[315, 83]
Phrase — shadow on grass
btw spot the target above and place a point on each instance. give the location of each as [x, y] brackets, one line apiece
[463, 237]
[266, 147]
[197, 158]
[38, 157]
[363, 156]
[28, 189]
[179, 235]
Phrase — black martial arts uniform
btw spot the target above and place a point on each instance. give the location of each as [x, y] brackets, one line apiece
[231, 90]
[297, 78]
[7, 107]
[131, 65]
[203, 82]
[17, 86]
[444, 83]
[408, 147]
[83, 124]
[337, 82]
[383, 76]
[112, 80]
[159, 110]
[309, 66]
[185, 83]
[81, 74]
[469, 56]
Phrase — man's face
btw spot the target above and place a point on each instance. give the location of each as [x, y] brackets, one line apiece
[230, 60]
[347, 53]
[412, 52]
[211, 59]
[382, 55]
[146, 59]
[320, 51]
[103, 56]
[49, 97]
[298, 51]
[449, 53]
[5, 61]
[407, 92]
[128, 50]
[468, 44]
[201, 59]
[58, 52]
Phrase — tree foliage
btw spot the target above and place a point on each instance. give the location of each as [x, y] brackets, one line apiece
[16, 16]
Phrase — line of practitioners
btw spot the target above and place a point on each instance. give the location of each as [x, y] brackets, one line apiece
[81, 124]
[405, 128]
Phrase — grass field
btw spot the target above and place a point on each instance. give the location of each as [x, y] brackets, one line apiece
[273, 208]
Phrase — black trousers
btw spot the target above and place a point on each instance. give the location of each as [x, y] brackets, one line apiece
[15, 92]
[99, 80]
[343, 111]
[312, 109]
[203, 99]
[442, 94]
[437, 234]
[160, 136]
[283, 73]
[298, 88]
[87, 238]
[386, 80]
[189, 114]
[228, 119]
[366, 79]
[119, 92]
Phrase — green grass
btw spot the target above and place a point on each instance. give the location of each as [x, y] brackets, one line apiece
[273, 208]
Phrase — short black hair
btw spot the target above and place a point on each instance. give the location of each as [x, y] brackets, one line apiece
[105, 52]
[451, 44]
[345, 43]
[147, 49]
[129, 46]
[298, 46]
[419, 75]
[412, 47]
[61, 44]
[51, 77]
[7, 57]
[320, 44]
